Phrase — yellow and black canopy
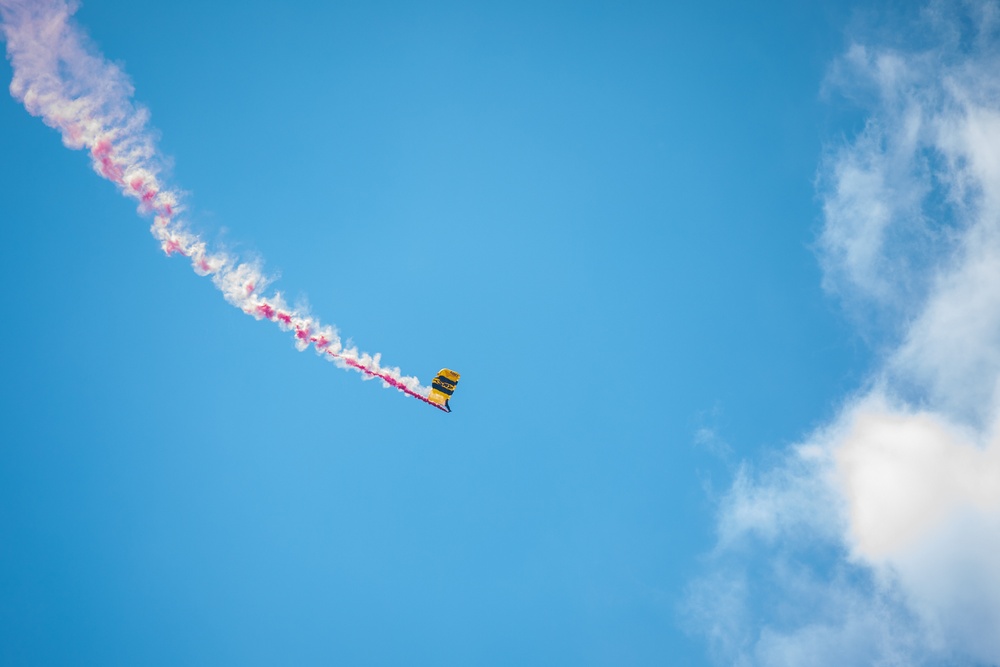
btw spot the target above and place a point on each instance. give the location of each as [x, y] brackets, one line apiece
[443, 387]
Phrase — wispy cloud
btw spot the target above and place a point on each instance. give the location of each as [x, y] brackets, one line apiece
[875, 541]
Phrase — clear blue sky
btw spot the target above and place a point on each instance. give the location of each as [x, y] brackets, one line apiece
[600, 213]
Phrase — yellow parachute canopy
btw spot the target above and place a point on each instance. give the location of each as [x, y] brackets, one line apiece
[443, 387]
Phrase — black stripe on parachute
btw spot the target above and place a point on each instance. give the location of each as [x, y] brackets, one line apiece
[448, 389]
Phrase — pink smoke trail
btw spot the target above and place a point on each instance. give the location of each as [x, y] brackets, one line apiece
[64, 80]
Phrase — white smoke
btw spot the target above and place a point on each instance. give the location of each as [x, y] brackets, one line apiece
[62, 78]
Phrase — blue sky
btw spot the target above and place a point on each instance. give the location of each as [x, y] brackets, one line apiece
[632, 227]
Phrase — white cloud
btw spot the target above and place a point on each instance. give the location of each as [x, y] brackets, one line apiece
[876, 541]
[904, 476]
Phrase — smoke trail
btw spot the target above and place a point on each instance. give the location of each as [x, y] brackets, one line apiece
[64, 80]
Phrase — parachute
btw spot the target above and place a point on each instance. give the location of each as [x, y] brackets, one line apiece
[443, 387]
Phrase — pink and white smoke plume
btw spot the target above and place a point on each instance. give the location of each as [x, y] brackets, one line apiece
[61, 78]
